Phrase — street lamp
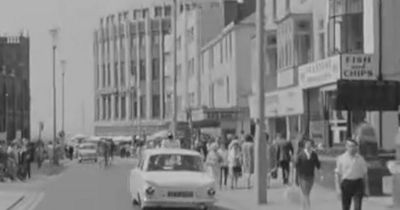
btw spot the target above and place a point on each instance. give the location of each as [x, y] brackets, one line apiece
[54, 35]
[63, 68]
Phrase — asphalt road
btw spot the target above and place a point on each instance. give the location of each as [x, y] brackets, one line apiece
[88, 187]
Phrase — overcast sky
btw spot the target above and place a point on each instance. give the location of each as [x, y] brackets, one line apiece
[77, 20]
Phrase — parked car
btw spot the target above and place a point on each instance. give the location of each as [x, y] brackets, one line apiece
[87, 151]
[171, 178]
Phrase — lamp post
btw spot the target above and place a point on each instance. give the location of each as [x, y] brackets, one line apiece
[174, 94]
[63, 68]
[260, 166]
[54, 35]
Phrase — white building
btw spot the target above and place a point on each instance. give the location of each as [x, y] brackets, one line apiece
[226, 78]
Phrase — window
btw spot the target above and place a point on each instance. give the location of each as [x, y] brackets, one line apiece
[155, 67]
[155, 38]
[175, 163]
[287, 5]
[122, 73]
[274, 9]
[321, 45]
[116, 107]
[135, 104]
[104, 115]
[167, 11]
[221, 52]
[136, 14]
[104, 76]
[227, 90]
[158, 11]
[123, 107]
[178, 72]
[190, 34]
[144, 13]
[178, 43]
[142, 70]
[156, 106]
[109, 107]
[116, 74]
[133, 67]
[211, 58]
[230, 45]
[108, 75]
[141, 41]
[142, 106]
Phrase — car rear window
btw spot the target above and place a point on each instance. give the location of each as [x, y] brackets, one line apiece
[175, 162]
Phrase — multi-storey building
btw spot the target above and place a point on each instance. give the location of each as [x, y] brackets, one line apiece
[14, 87]
[129, 69]
[226, 79]
[198, 22]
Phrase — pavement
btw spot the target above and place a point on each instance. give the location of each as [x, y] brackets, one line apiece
[321, 198]
[12, 194]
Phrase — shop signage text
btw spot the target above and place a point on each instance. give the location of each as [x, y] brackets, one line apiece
[357, 67]
[321, 72]
[284, 103]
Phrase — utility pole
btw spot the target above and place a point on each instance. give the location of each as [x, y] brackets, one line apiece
[63, 68]
[260, 143]
[174, 97]
[54, 34]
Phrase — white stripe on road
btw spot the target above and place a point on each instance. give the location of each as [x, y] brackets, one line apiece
[31, 202]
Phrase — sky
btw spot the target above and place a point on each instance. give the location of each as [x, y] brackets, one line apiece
[77, 20]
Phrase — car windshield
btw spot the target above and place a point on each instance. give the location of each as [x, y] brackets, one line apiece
[91, 147]
[175, 162]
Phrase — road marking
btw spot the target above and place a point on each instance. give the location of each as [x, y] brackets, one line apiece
[30, 202]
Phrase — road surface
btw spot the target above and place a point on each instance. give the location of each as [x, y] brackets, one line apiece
[87, 187]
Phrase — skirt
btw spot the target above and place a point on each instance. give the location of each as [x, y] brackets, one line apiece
[305, 184]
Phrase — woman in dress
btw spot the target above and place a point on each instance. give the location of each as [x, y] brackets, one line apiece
[234, 162]
[306, 163]
[248, 158]
[213, 161]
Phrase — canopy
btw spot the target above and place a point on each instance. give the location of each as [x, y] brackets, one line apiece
[158, 135]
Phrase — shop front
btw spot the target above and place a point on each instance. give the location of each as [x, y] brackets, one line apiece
[221, 121]
[326, 124]
[284, 111]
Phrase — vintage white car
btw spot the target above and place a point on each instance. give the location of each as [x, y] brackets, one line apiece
[172, 178]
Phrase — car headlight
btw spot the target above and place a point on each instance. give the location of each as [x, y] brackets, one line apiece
[211, 191]
[150, 190]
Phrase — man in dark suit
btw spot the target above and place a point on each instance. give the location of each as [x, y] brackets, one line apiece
[284, 154]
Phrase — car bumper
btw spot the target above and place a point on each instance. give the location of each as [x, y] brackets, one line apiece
[178, 204]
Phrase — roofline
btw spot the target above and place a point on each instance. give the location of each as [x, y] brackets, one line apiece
[229, 28]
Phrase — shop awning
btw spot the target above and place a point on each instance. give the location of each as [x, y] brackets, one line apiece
[206, 123]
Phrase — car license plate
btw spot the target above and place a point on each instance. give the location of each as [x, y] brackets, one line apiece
[180, 194]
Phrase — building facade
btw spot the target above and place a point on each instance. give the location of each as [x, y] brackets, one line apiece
[129, 69]
[14, 87]
[225, 79]
[310, 46]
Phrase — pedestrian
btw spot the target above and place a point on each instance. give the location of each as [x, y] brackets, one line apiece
[273, 161]
[170, 142]
[248, 159]
[285, 152]
[71, 152]
[213, 161]
[234, 162]
[351, 176]
[224, 166]
[306, 162]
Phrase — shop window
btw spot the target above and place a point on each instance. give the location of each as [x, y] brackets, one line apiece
[142, 70]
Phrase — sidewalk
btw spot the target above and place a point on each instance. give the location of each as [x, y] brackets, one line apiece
[13, 193]
[10, 199]
[321, 198]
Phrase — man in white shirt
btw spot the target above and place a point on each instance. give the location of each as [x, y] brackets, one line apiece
[351, 177]
[170, 142]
